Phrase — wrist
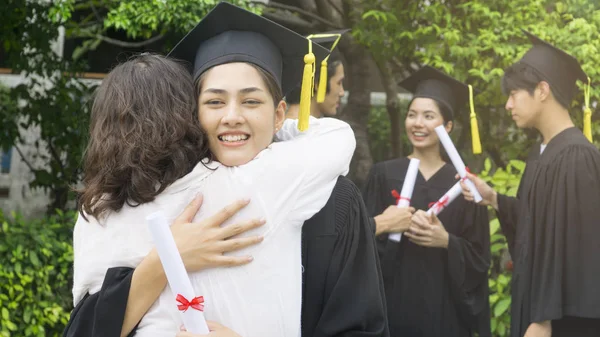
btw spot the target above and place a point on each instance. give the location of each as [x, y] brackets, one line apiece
[380, 225]
[446, 240]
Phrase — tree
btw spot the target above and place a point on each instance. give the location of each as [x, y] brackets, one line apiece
[51, 102]
[54, 101]
[474, 41]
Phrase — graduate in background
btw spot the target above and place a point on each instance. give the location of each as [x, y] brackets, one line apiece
[327, 102]
[338, 245]
[436, 276]
[553, 225]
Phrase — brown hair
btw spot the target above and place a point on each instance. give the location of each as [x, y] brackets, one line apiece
[144, 134]
[269, 80]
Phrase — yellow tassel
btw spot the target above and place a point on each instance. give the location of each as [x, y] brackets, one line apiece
[587, 113]
[321, 91]
[306, 90]
[474, 127]
[587, 124]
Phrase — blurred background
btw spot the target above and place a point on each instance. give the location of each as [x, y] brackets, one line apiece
[53, 54]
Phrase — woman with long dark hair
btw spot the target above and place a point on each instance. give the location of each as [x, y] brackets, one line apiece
[436, 277]
[240, 72]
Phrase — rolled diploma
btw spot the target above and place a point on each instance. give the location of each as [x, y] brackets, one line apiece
[446, 199]
[407, 191]
[178, 278]
[456, 160]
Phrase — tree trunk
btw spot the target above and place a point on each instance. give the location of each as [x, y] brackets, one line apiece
[356, 112]
[392, 104]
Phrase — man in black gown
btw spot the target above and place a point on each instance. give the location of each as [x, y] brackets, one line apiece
[553, 225]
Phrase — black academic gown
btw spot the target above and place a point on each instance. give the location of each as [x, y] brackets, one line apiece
[433, 292]
[553, 234]
[342, 286]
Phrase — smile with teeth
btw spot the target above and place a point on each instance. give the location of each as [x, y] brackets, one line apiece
[419, 134]
[233, 138]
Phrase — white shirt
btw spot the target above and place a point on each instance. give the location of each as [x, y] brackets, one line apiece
[287, 183]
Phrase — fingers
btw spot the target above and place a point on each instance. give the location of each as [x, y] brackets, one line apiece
[411, 209]
[227, 212]
[190, 210]
[420, 218]
[420, 231]
[214, 325]
[237, 244]
[231, 261]
[238, 228]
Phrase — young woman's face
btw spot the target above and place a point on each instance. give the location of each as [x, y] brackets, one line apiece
[422, 118]
[237, 113]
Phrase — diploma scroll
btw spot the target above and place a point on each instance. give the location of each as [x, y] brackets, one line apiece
[446, 199]
[407, 191]
[189, 305]
[459, 165]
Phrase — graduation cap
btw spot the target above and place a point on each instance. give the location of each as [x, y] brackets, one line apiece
[230, 34]
[559, 69]
[328, 40]
[429, 82]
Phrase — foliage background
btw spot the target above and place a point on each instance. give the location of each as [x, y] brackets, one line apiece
[471, 40]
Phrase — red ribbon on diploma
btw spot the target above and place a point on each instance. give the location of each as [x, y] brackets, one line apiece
[398, 197]
[196, 303]
[441, 204]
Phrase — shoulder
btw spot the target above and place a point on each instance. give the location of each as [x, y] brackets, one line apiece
[392, 165]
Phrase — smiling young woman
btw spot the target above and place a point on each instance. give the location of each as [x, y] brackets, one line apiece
[435, 278]
[242, 66]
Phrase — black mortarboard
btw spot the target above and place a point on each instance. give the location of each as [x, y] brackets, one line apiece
[429, 82]
[328, 40]
[555, 66]
[230, 34]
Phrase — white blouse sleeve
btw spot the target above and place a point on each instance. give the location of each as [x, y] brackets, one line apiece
[297, 174]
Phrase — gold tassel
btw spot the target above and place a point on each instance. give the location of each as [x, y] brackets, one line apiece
[587, 113]
[306, 89]
[474, 127]
[321, 91]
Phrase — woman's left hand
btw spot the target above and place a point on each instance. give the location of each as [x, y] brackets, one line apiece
[427, 231]
[216, 330]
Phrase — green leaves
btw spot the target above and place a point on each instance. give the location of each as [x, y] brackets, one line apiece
[34, 286]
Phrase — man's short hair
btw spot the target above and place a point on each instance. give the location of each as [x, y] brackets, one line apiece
[521, 76]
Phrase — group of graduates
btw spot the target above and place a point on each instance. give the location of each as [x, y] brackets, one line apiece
[322, 262]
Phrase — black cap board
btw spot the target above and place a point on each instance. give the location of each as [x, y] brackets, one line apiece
[229, 34]
[429, 82]
[293, 97]
[555, 66]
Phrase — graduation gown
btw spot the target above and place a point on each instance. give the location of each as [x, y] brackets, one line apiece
[553, 233]
[433, 292]
[342, 286]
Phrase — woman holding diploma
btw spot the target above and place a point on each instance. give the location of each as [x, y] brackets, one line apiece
[243, 64]
[436, 277]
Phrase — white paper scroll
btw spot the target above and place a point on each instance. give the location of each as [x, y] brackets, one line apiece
[456, 160]
[179, 281]
[407, 191]
[446, 199]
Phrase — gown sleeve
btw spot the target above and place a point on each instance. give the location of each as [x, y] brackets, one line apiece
[468, 264]
[373, 193]
[508, 215]
[354, 298]
[565, 240]
[102, 314]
